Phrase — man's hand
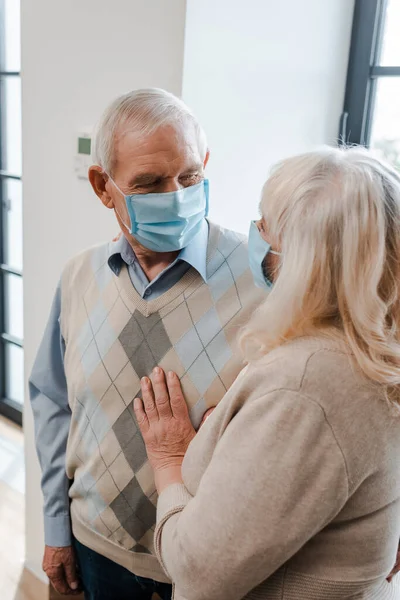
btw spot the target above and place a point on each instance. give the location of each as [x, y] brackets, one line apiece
[59, 564]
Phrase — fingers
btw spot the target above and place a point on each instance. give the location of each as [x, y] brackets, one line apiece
[161, 393]
[177, 401]
[160, 399]
[60, 567]
[57, 577]
[70, 573]
[141, 416]
[148, 399]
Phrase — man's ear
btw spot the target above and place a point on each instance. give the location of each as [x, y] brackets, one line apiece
[98, 179]
[206, 158]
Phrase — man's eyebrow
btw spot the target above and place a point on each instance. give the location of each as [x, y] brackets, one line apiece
[144, 178]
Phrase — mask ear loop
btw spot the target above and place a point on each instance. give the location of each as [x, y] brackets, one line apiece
[270, 251]
[206, 185]
[129, 228]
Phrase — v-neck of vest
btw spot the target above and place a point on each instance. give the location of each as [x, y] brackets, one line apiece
[148, 307]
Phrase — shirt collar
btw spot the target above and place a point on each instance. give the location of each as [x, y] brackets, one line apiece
[195, 253]
[120, 252]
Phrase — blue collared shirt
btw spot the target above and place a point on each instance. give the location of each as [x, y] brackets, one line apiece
[48, 385]
[193, 255]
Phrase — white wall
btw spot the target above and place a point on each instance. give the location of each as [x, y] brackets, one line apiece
[76, 57]
[266, 78]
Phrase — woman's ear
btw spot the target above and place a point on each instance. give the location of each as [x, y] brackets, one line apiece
[98, 180]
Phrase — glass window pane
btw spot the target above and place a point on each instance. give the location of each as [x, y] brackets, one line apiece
[11, 159]
[13, 293]
[11, 35]
[14, 356]
[385, 134]
[12, 223]
[390, 55]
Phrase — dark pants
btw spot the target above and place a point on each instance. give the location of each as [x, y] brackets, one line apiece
[103, 579]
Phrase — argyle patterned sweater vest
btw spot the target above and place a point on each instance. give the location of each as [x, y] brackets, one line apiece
[113, 338]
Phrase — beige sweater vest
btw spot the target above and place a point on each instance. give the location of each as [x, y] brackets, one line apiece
[113, 338]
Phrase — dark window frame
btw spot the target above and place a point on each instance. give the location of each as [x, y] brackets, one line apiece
[364, 71]
[8, 407]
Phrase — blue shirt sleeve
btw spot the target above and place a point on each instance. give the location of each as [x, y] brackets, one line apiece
[52, 416]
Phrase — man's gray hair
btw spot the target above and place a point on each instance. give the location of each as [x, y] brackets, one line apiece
[142, 111]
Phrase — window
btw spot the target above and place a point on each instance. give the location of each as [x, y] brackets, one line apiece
[371, 114]
[11, 297]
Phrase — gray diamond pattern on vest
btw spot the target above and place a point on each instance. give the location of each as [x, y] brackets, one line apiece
[159, 341]
[131, 336]
[121, 508]
[125, 427]
[133, 509]
[135, 452]
[145, 342]
[138, 336]
[140, 503]
[146, 324]
[143, 360]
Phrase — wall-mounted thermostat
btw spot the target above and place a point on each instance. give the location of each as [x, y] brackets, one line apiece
[83, 155]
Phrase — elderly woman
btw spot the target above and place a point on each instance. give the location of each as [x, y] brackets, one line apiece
[291, 489]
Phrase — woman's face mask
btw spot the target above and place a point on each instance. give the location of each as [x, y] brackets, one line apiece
[258, 252]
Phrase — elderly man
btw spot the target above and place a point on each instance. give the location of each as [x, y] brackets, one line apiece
[173, 291]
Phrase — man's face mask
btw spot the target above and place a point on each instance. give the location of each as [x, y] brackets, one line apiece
[166, 222]
[258, 251]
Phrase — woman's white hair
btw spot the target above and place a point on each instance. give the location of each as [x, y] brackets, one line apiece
[141, 111]
[335, 214]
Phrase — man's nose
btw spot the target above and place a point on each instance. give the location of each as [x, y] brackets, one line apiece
[172, 185]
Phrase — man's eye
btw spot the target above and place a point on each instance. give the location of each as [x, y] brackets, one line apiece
[191, 177]
[148, 186]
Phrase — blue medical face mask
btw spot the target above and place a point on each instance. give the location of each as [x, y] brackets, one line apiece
[167, 222]
[258, 251]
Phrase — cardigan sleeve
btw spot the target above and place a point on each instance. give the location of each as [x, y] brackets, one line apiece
[276, 478]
